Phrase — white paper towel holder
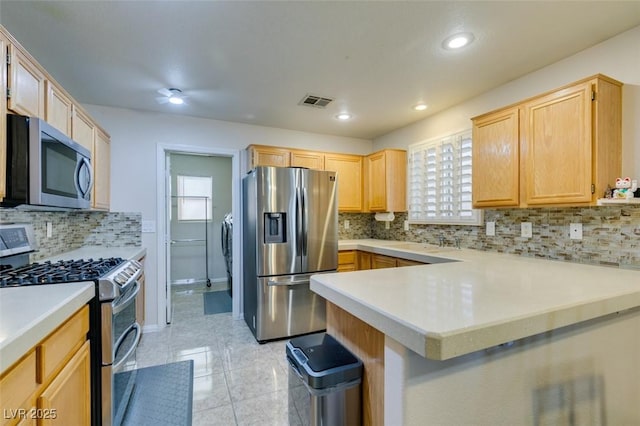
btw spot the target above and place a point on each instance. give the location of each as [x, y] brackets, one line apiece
[385, 217]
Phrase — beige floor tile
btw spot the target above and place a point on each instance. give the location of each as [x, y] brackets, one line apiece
[266, 409]
[220, 416]
[210, 392]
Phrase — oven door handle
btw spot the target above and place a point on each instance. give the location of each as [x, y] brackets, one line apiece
[136, 326]
[122, 304]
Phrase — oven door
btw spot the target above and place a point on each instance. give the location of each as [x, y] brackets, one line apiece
[121, 335]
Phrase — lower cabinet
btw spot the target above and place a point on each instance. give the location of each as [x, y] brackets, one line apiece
[357, 260]
[346, 260]
[66, 401]
[51, 383]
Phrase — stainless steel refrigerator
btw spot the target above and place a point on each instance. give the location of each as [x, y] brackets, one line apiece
[290, 231]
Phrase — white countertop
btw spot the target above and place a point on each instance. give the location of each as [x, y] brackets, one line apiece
[29, 313]
[97, 252]
[483, 299]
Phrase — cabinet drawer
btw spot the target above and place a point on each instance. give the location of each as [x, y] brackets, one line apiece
[21, 380]
[346, 257]
[56, 349]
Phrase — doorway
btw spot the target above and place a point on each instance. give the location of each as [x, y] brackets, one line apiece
[198, 188]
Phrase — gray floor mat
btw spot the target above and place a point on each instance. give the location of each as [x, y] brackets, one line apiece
[162, 395]
[216, 302]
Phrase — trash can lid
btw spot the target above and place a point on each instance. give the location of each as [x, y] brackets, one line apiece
[323, 361]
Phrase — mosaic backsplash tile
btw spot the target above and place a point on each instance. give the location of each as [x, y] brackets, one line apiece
[611, 234]
[74, 229]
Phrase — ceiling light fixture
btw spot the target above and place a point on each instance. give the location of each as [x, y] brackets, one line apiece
[343, 116]
[420, 107]
[458, 41]
[172, 95]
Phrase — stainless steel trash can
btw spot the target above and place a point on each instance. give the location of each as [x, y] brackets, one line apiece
[332, 376]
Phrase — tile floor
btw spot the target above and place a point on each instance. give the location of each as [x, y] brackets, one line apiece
[236, 380]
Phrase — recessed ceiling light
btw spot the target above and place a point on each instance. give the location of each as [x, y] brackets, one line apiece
[343, 116]
[457, 41]
[172, 95]
[420, 107]
[176, 100]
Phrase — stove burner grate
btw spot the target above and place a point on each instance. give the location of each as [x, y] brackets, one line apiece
[58, 272]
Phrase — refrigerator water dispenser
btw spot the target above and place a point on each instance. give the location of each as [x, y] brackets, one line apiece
[274, 229]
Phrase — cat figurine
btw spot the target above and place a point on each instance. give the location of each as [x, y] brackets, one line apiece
[625, 188]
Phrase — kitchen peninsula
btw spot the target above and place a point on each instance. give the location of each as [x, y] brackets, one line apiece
[485, 338]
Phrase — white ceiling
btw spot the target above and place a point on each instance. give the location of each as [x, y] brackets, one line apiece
[253, 61]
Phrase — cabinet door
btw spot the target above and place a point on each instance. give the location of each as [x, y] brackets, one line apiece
[346, 260]
[3, 115]
[348, 170]
[363, 261]
[69, 394]
[379, 261]
[58, 109]
[82, 128]
[26, 84]
[557, 140]
[386, 183]
[308, 159]
[268, 156]
[376, 182]
[101, 161]
[407, 262]
[496, 157]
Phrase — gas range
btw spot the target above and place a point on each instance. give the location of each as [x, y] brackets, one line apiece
[112, 274]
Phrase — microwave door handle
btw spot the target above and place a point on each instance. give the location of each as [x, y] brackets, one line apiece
[83, 162]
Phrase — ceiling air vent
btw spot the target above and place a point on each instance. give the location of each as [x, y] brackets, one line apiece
[315, 101]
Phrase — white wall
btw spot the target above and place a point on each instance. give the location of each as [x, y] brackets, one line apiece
[618, 57]
[135, 136]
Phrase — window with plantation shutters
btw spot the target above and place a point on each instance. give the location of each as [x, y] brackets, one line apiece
[440, 181]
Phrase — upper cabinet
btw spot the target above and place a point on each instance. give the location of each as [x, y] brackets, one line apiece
[568, 142]
[59, 108]
[26, 84]
[101, 170]
[386, 181]
[260, 155]
[308, 159]
[82, 129]
[496, 157]
[348, 170]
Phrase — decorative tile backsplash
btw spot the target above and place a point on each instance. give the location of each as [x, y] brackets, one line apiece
[74, 229]
[611, 234]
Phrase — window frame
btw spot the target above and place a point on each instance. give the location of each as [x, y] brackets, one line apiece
[460, 171]
[190, 199]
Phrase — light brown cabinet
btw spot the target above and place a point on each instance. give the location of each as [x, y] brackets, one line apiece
[26, 84]
[570, 147]
[4, 43]
[346, 260]
[348, 170]
[363, 260]
[379, 261]
[68, 395]
[101, 161]
[260, 155]
[58, 109]
[52, 379]
[386, 181]
[308, 159]
[82, 129]
[496, 159]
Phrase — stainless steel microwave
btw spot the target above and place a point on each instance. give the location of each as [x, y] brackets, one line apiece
[45, 167]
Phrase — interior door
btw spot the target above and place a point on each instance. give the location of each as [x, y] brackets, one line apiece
[167, 235]
[320, 221]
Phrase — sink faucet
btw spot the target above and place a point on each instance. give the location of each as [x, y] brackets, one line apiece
[441, 241]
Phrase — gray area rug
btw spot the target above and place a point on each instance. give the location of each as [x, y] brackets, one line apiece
[216, 302]
[160, 395]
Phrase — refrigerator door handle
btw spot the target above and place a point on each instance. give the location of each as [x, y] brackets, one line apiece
[305, 221]
[288, 283]
[299, 222]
